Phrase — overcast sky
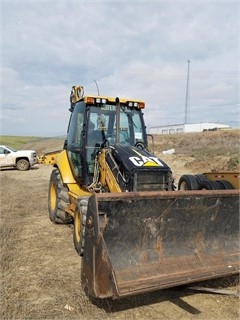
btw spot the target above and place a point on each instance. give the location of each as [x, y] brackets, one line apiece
[134, 49]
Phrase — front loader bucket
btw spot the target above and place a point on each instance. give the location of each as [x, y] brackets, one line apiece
[139, 242]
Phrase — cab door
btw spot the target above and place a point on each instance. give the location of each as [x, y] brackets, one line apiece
[6, 158]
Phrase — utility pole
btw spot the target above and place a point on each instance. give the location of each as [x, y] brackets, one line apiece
[187, 95]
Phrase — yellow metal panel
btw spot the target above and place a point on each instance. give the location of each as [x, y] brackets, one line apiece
[76, 190]
[49, 157]
[111, 181]
[232, 177]
[107, 178]
[62, 162]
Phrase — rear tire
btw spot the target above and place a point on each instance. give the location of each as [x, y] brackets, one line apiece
[188, 182]
[58, 199]
[209, 185]
[224, 184]
[23, 165]
[200, 178]
[80, 224]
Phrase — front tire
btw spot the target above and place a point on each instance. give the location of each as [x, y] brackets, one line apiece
[23, 165]
[80, 215]
[58, 199]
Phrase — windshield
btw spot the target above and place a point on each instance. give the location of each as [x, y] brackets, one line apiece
[90, 126]
[103, 120]
[9, 148]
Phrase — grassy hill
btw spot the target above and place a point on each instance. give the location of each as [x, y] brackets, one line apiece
[204, 151]
[201, 144]
[17, 142]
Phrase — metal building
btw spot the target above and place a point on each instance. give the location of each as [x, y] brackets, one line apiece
[189, 127]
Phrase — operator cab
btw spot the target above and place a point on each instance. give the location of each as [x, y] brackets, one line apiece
[131, 128]
[98, 122]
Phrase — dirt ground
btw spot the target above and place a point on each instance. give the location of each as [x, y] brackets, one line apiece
[40, 270]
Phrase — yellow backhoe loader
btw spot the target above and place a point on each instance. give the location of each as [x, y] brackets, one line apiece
[135, 232]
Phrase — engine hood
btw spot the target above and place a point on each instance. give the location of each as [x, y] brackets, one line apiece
[26, 151]
[136, 158]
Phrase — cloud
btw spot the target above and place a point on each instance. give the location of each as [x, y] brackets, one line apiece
[138, 49]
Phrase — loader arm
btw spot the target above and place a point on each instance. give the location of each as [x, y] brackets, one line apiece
[107, 178]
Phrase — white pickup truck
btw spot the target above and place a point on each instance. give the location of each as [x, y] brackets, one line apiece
[21, 159]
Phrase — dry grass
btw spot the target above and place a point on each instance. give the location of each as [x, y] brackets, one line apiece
[203, 147]
[45, 145]
[16, 142]
[40, 270]
[203, 144]
[210, 150]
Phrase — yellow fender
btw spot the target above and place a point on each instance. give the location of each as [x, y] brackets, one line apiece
[59, 159]
[62, 163]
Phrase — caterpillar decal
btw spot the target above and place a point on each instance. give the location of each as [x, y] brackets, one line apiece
[145, 161]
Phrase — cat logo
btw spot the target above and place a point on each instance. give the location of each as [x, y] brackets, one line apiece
[143, 161]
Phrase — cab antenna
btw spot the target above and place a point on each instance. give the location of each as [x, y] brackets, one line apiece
[97, 87]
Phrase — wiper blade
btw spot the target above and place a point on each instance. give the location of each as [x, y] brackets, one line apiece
[128, 115]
